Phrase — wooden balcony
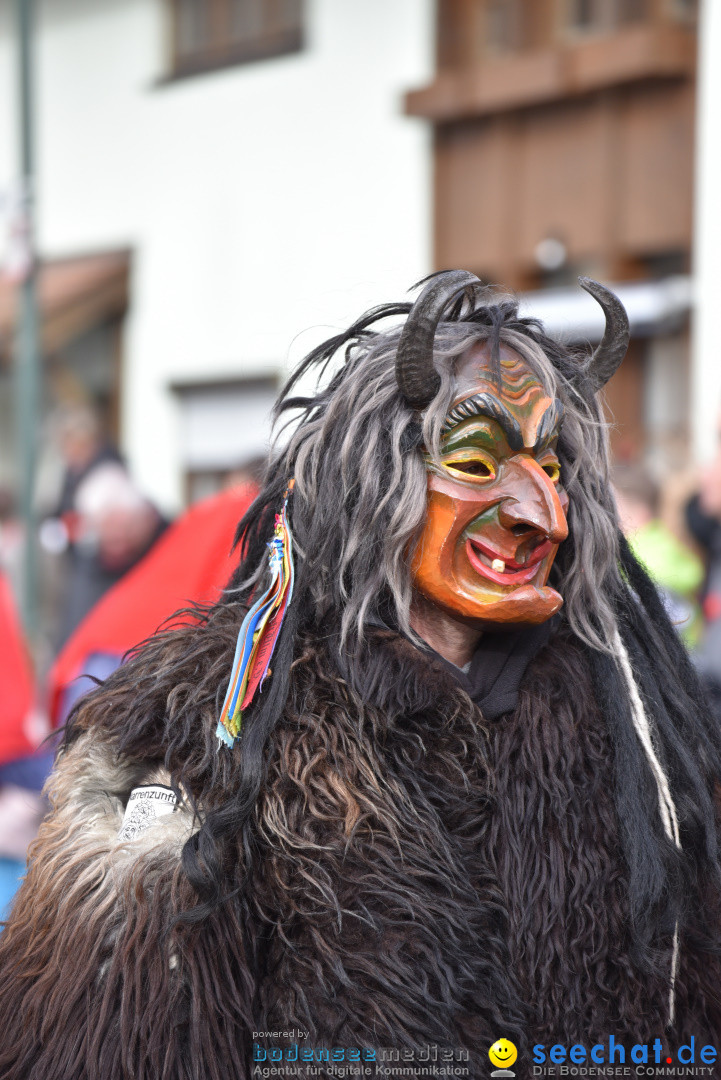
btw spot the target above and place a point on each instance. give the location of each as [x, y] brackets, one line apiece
[639, 54]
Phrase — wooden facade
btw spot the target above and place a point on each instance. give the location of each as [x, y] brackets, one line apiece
[586, 137]
[571, 121]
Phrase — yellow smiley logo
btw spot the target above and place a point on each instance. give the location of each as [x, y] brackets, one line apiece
[503, 1053]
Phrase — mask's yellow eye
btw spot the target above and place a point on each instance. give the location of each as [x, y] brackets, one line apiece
[552, 469]
[471, 466]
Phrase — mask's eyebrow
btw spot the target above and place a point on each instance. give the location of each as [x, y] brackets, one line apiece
[489, 406]
[548, 425]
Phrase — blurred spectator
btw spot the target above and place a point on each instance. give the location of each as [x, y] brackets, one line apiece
[77, 448]
[675, 568]
[249, 473]
[115, 526]
[16, 681]
[190, 564]
[22, 772]
[83, 447]
[703, 517]
[11, 538]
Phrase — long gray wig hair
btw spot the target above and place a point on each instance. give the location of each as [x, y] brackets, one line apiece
[356, 453]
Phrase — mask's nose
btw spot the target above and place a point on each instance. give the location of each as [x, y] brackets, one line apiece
[535, 505]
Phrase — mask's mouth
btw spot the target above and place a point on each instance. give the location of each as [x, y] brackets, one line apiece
[504, 571]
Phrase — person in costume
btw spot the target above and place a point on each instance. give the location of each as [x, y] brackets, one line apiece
[435, 771]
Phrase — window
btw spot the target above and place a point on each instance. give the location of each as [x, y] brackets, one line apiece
[630, 11]
[224, 429]
[503, 25]
[686, 10]
[511, 25]
[595, 15]
[208, 34]
[582, 14]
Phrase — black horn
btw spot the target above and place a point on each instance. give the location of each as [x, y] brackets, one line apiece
[599, 368]
[416, 374]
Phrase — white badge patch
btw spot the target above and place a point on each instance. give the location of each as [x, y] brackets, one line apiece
[146, 805]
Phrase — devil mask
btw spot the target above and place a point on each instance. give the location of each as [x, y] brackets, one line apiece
[496, 506]
[496, 502]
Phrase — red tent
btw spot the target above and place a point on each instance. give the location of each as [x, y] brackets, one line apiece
[16, 681]
[192, 561]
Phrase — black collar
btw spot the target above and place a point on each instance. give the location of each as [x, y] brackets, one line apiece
[499, 663]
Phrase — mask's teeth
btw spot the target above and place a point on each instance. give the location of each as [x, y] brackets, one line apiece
[498, 565]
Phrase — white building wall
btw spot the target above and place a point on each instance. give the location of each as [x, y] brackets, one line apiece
[706, 348]
[263, 201]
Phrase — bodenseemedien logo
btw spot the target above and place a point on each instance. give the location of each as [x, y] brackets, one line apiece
[503, 1054]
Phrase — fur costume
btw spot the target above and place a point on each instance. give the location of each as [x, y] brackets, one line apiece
[506, 911]
[375, 862]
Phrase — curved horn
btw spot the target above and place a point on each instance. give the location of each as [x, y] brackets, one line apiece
[417, 377]
[605, 360]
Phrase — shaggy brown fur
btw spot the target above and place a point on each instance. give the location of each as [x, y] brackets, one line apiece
[411, 876]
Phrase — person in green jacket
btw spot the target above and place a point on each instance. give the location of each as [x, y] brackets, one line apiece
[677, 571]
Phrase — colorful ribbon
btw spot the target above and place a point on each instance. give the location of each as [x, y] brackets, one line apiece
[259, 631]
